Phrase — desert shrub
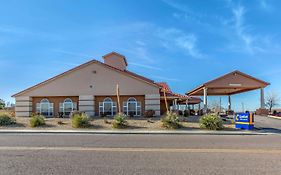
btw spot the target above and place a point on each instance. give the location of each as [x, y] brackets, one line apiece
[119, 121]
[37, 120]
[80, 120]
[75, 113]
[171, 121]
[211, 122]
[149, 113]
[6, 119]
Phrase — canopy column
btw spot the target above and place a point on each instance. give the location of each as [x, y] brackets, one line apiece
[205, 99]
[262, 98]
[229, 103]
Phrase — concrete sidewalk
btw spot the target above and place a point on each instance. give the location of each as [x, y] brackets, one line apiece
[159, 132]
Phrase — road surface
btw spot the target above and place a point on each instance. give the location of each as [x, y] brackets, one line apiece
[139, 154]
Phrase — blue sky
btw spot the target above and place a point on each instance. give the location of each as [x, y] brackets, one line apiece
[184, 43]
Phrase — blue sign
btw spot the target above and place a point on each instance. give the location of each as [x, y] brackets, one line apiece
[242, 117]
[244, 121]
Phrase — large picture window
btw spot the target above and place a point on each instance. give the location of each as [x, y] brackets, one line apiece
[45, 108]
[107, 107]
[132, 107]
[68, 106]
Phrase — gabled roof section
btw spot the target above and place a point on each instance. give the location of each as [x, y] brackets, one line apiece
[125, 72]
[171, 95]
[232, 83]
[237, 72]
[164, 86]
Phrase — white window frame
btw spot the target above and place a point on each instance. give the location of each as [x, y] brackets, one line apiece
[106, 101]
[67, 101]
[137, 106]
[50, 107]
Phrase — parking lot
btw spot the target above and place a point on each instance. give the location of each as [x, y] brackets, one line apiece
[267, 124]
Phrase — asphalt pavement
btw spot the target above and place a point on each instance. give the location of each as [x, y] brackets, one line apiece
[66, 154]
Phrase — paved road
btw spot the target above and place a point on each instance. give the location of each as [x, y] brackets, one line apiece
[139, 154]
[268, 124]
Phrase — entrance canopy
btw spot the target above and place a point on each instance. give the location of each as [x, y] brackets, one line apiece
[232, 83]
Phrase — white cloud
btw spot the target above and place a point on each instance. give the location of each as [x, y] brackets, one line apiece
[72, 53]
[265, 5]
[176, 39]
[166, 78]
[145, 66]
[249, 42]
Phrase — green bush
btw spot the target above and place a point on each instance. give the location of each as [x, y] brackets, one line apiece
[211, 122]
[171, 121]
[80, 120]
[37, 120]
[5, 120]
[120, 121]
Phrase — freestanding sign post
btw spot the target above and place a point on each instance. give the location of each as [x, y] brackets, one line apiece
[244, 121]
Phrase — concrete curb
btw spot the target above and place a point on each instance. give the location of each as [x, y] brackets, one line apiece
[271, 116]
[135, 132]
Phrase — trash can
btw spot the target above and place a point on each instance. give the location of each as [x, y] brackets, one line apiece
[244, 121]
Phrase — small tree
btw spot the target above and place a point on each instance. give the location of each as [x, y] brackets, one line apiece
[272, 100]
[2, 104]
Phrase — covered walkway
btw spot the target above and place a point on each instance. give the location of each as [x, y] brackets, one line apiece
[230, 84]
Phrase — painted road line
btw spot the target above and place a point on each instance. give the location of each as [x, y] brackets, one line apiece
[168, 150]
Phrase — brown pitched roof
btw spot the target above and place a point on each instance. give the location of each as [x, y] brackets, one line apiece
[165, 87]
[126, 72]
[199, 88]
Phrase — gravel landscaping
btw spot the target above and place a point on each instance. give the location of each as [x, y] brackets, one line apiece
[188, 123]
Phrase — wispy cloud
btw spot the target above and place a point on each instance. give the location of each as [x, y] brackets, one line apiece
[166, 78]
[140, 53]
[240, 29]
[25, 32]
[173, 38]
[145, 66]
[72, 53]
[65, 63]
[265, 5]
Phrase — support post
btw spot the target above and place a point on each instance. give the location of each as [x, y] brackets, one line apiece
[205, 99]
[229, 103]
[262, 98]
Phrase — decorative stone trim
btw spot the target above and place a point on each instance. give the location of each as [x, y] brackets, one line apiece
[87, 104]
[152, 102]
[23, 106]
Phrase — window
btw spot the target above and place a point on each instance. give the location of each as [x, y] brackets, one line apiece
[107, 107]
[68, 106]
[45, 108]
[132, 107]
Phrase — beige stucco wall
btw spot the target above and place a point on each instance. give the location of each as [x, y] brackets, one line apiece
[103, 82]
